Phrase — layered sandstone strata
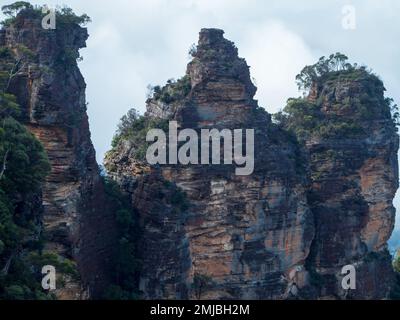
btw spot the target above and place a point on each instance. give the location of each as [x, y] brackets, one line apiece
[248, 235]
[51, 92]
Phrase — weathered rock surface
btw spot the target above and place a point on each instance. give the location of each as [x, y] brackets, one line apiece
[248, 234]
[354, 180]
[51, 92]
[285, 231]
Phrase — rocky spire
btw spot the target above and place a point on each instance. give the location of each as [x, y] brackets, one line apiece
[51, 93]
[216, 60]
[245, 234]
[221, 92]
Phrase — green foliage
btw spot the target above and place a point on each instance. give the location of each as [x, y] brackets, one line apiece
[117, 293]
[64, 15]
[395, 294]
[305, 119]
[126, 261]
[68, 57]
[201, 283]
[396, 262]
[134, 127]
[8, 106]
[12, 63]
[346, 115]
[62, 265]
[173, 91]
[325, 66]
[179, 198]
[25, 160]
[23, 168]
[13, 9]
[394, 109]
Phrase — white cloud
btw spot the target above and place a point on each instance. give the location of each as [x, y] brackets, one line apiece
[276, 55]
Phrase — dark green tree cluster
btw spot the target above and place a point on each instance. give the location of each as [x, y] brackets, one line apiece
[126, 262]
[174, 90]
[334, 63]
[134, 127]
[396, 266]
[64, 15]
[306, 118]
[23, 167]
[201, 283]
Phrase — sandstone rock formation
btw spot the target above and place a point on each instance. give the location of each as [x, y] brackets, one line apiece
[354, 180]
[315, 202]
[283, 232]
[51, 92]
[246, 233]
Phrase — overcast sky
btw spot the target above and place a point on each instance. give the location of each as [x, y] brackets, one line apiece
[136, 43]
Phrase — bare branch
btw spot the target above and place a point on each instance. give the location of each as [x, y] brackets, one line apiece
[4, 164]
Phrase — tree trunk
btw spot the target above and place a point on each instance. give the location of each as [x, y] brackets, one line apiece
[4, 164]
[7, 266]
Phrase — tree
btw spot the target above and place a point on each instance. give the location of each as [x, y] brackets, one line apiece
[13, 9]
[396, 262]
[334, 63]
[128, 121]
[22, 156]
[201, 283]
[66, 15]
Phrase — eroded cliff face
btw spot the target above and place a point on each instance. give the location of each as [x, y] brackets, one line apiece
[51, 92]
[354, 180]
[248, 235]
[285, 231]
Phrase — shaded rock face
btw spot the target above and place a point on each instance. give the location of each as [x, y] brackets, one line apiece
[51, 92]
[354, 180]
[248, 235]
[285, 231]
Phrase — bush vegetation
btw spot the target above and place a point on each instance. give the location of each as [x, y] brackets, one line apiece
[395, 294]
[306, 118]
[201, 283]
[173, 91]
[64, 15]
[326, 67]
[126, 262]
[23, 168]
[134, 127]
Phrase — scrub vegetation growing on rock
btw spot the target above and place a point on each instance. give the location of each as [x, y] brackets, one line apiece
[133, 127]
[126, 262]
[174, 90]
[335, 114]
[23, 168]
[22, 9]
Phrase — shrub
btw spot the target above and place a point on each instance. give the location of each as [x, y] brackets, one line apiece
[134, 127]
[201, 283]
[325, 66]
[64, 15]
[126, 261]
[173, 91]
[396, 262]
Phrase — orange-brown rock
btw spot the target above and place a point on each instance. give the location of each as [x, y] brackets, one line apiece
[50, 89]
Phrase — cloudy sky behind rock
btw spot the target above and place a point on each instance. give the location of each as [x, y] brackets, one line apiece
[136, 43]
